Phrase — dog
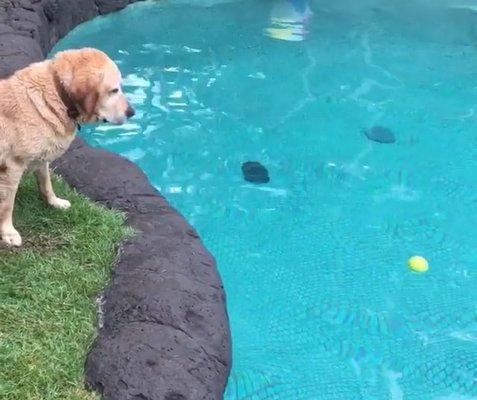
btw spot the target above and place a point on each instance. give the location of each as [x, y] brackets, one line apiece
[41, 107]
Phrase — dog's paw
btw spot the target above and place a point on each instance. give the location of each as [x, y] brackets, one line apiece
[59, 203]
[11, 237]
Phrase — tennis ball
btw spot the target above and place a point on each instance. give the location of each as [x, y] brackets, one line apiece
[418, 264]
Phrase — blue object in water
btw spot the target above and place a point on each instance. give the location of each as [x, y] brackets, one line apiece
[300, 5]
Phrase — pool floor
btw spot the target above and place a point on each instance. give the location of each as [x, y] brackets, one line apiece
[314, 262]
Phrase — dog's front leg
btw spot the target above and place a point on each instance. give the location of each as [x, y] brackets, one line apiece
[10, 175]
[46, 189]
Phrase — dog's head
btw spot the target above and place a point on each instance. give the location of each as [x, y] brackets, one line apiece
[92, 82]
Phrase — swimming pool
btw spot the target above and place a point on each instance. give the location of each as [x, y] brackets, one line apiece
[322, 305]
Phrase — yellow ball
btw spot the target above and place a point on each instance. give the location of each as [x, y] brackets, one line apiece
[418, 264]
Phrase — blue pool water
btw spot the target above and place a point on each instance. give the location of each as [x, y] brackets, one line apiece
[321, 302]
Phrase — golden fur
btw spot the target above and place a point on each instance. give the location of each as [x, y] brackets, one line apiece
[40, 107]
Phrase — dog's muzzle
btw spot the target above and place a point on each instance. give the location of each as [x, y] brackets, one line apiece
[130, 112]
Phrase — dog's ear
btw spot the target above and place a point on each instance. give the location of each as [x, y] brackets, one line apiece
[86, 96]
[63, 66]
[79, 81]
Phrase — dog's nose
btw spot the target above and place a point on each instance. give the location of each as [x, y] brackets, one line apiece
[130, 112]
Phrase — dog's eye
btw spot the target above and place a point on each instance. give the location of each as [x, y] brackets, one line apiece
[114, 91]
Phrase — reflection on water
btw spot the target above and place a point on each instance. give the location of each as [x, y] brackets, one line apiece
[289, 20]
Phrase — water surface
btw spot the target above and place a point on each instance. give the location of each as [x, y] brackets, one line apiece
[322, 305]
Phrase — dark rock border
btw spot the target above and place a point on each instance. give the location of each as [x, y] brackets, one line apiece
[164, 332]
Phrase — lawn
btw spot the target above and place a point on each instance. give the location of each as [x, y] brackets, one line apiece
[47, 294]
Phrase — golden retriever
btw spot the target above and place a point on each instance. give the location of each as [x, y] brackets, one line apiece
[40, 109]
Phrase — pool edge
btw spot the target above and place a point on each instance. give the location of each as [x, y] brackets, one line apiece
[164, 331]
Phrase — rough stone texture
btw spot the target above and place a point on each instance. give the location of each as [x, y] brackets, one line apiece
[164, 331]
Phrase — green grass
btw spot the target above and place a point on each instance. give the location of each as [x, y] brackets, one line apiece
[47, 294]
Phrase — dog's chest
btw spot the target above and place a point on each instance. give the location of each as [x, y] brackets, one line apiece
[47, 148]
[50, 152]
[55, 148]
